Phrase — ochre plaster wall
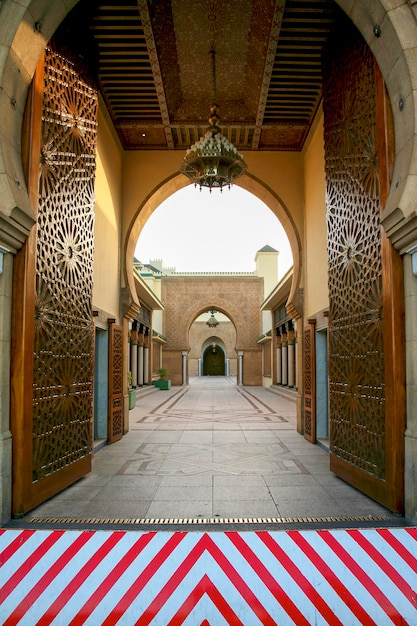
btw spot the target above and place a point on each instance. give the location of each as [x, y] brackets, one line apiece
[282, 173]
[145, 185]
[185, 298]
[106, 290]
[315, 248]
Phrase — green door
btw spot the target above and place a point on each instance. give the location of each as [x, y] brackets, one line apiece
[214, 362]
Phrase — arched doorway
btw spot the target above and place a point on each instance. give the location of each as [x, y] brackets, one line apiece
[212, 346]
[214, 362]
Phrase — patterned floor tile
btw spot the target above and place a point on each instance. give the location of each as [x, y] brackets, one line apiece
[211, 448]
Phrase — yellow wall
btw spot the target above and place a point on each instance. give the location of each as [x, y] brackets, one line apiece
[106, 288]
[282, 173]
[315, 269]
[143, 174]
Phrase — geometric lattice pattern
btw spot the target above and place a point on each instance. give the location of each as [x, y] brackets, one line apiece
[63, 342]
[308, 381]
[116, 384]
[336, 577]
[356, 326]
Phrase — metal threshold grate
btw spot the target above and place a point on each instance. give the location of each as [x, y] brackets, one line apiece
[265, 521]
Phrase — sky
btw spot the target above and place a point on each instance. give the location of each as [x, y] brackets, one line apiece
[195, 231]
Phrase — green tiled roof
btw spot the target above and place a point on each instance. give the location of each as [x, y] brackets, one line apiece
[267, 249]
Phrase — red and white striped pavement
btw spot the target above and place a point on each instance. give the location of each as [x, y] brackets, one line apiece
[343, 577]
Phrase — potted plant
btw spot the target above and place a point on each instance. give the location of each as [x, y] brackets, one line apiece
[163, 382]
[132, 392]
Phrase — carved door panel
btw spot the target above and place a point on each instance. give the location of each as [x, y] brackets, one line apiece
[115, 428]
[53, 331]
[366, 344]
[310, 383]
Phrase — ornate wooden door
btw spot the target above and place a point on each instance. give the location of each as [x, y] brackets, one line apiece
[115, 426]
[310, 382]
[366, 321]
[53, 331]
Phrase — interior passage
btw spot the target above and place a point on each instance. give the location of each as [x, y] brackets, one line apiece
[211, 450]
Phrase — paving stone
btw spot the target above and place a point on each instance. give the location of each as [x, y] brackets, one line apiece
[161, 509]
[211, 449]
[195, 493]
[244, 508]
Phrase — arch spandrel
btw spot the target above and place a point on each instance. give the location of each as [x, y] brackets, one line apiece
[218, 307]
[168, 187]
[209, 342]
[255, 186]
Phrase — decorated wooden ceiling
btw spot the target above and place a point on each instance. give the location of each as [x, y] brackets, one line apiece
[154, 68]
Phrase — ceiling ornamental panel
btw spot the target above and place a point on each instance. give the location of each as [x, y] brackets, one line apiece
[154, 72]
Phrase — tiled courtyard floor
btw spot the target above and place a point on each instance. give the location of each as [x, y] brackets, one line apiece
[210, 450]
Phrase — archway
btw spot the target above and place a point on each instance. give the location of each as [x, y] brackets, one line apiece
[215, 331]
[254, 187]
[186, 299]
[197, 232]
[214, 360]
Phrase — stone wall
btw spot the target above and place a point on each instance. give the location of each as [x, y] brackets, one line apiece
[239, 298]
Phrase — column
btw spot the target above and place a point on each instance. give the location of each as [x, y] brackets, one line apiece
[129, 357]
[146, 358]
[240, 368]
[140, 356]
[279, 358]
[199, 367]
[227, 367]
[5, 342]
[184, 367]
[284, 358]
[410, 464]
[296, 361]
[134, 356]
[291, 369]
